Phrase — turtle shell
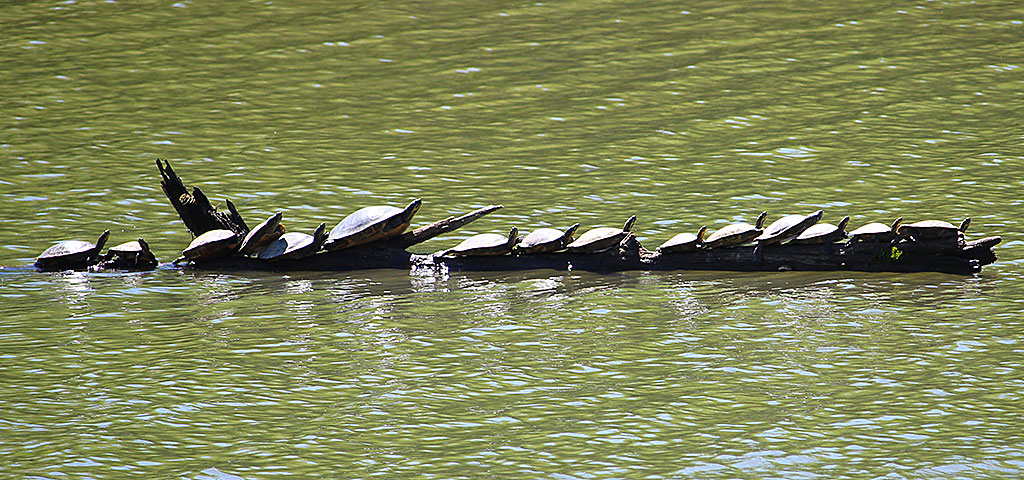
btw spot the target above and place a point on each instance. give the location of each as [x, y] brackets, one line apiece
[788, 227]
[823, 233]
[485, 244]
[684, 242]
[210, 245]
[546, 240]
[370, 224]
[261, 235]
[295, 245]
[71, 254]
[875, 232]
[601, 238]
[736, 233]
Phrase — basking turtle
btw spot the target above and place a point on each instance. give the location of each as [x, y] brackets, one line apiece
[261, 235]
[133, 254]
[370, 224]
[601, 238]
[295, 245]
[71, 254]
[786, 228]
[210, 245]
[684, 242]
[822, 233]
[736, 233]
[544, 240]
[484, 244]
[933, 230]
[875, 232]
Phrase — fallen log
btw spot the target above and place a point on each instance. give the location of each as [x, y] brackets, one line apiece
[901, 255]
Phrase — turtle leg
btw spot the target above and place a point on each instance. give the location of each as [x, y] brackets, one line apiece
[758, 254]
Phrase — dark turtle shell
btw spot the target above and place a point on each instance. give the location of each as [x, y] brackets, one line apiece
[293, 246]
[71, 254]
[601, 238]
[787, 227]
[133, 254]
[823, 233]
[261, 235]
[546, 240]
[875, 232]
[484, 244]
[370, 224]
[684, 242]
[933, 230]
[736, 233]
[210, 245]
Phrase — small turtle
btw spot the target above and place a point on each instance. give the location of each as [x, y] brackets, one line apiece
[875, 232]
[736, 233]
[71, 254]
[544, 240]
[295, 245]
[933, 230]
[820, 233]
[601, 238]
[484, 244]
[210, 245]
[370, 224]
[684, 242]
[261, 235]
[132, 255]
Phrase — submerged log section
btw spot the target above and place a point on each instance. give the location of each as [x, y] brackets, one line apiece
[962, 258]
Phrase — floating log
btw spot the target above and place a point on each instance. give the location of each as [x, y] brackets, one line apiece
[901, 255]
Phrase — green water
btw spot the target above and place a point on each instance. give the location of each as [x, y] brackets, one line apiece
[684, 115]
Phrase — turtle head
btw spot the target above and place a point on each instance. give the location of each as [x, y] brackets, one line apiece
[513, 236]
[964, 224]
[702, 233]
[411, 209]
[569, 232]
[842, 224]
[320, 235]
[817, 215]
[629, 224]
[896, 224]
[759, 224]
[101, 241]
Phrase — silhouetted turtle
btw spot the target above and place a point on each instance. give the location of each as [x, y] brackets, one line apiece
[484, 244]
[295, 245]
[71, 254]
[933, 230]
[133, 254]
[684, 242]
[601, 238]
[261, 235]
[546, 240]
[875, 232]
[736, 233]
[370, 224]
[210, 245]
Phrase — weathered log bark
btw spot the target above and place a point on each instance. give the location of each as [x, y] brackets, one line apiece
[194, 208]
[963, 258]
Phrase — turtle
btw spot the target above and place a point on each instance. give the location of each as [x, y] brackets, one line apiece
[210, 245]
[786, 228]
[295, 245]
[736, 233]
[133, 254]
[71, 254]
[371, 224]
[875, 232]
[601, 238]
[544, 240]
[484, 244]
[933, 230]
[684, 242]
[820, 233]
[261, 235]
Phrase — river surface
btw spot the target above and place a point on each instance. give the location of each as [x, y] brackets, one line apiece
[701, 113]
